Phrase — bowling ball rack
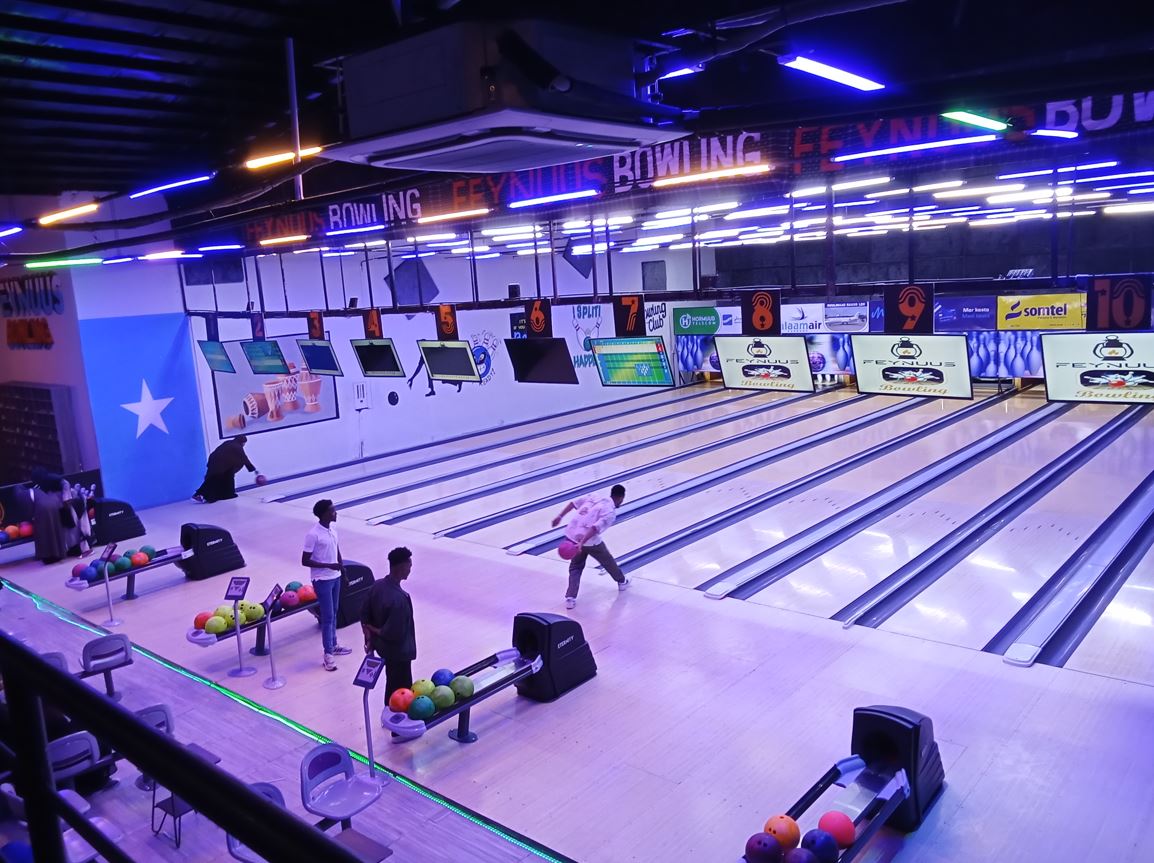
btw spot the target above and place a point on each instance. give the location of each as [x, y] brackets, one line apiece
[278, 612]
[163, 558]
[513, 668]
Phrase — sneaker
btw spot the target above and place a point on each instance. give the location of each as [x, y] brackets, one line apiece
[198, 498]
[624, 585]
[329, 663]
[341, 650]
[570, 602]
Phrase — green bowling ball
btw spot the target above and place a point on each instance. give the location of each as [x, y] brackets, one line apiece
[293, 586]
[149, 550]
[215, 625]
[122, 564]
[443, 697]
[424, 686]
[462, 686]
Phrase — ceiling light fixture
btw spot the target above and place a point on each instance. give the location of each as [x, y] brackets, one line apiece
[276, 241]
[176, 184]
[553, 199]
[448, 217]
[830, 73]
[972, 119]
[68, 214]
[913, 148]
[66, 262]
[723, 174]
[278, 158]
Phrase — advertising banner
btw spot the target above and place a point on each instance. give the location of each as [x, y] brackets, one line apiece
[965, 314]
[913, 366]
[765, 363]
[695, 321]
[1042, 312]
[841, 316]
[1090, 367]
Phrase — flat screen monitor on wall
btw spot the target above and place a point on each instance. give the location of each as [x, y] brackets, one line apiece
[638, 362]
[265, 358]
[541, 361]
[378, 358]
[217, 357]
[319, 357]
[449, 361]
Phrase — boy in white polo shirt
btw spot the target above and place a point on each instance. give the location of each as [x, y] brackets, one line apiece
[595, 514]
[322, 555]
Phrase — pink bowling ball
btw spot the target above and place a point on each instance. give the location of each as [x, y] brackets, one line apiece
[568, 549]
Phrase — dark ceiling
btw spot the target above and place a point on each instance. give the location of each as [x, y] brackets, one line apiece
[111, 95]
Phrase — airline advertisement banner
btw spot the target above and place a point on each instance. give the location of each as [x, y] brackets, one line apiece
[1042, 312]
[765, 363]
[935, 366]
[843, 316]
[1091, 367]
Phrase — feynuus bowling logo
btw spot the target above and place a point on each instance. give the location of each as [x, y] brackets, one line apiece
[1113, 353]
[908, 352]
[760, 352]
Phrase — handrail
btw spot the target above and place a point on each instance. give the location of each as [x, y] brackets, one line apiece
[261, 825]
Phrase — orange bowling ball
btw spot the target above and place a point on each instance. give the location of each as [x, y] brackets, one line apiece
[307, 593]
[139, 559]
[13, 531]
[785, 830]
[400, 700]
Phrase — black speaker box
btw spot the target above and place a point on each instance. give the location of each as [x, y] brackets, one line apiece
[355, 583]
[114, 521]
[896, 738]
[567, 658]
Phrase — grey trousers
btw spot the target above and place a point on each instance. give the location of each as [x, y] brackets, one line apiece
[599, 553]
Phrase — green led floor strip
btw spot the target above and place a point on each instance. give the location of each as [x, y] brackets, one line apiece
[512, 837]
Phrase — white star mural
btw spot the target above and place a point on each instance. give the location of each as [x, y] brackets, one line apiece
[148, 410]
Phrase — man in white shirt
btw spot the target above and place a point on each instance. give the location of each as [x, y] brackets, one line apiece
[595, 514]
[322, 555]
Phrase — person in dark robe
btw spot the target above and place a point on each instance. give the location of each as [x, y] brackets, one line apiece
[223, 466]
[57, 524]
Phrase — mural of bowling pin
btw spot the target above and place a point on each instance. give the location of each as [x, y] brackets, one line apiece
[1034, 358]
[1017, 360]
[1002, 347]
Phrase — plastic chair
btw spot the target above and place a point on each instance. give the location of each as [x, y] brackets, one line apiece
[103, 655]
[238, 849]
[76, 849]
[73, 755]
[157, 716]
[330, 786]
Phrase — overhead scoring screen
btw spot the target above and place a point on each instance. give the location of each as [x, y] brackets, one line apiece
[632, 362]
[449, 361]
[378, 358]
[541, 361]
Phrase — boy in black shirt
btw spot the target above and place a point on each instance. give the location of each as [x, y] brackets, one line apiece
[387, 621]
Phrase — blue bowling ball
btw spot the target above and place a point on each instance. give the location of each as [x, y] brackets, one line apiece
[442, 677]
[821, 845]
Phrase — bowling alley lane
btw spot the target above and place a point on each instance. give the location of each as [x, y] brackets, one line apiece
[1119, 643]
[826, 585]
[720, 550]
[975, 599]
[609, 469]
[549, 431]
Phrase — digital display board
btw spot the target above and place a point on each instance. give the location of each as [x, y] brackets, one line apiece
[632, 362]
[319, 357]
[449, 361]
[378, 358]
[217, 357]
[265, 358]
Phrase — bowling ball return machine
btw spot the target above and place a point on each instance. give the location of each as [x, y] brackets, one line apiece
[204, 551]
[892, 779]
[549, 657]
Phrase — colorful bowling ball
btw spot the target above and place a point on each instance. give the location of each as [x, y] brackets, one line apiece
[422, 707]
[223, 609]
[201, 619]
[93, 572]
[290, 599]
[442, 677]
[307, 593]
[443, 697]
[839, 826]
[762, 848]
[462, 687]
[227, 616]
[78, 570]
[252, 611]
[400, 700]
[13, 531]
[423, 687]
[149, 550]
[128, 553]
[25, 529]
[568, 549]
[822, 845]
[799, 855]
[294, 586]
[4, 536]
[261, 479]
[139, 559]
[215, 625]
[122, 564]
[785, 830]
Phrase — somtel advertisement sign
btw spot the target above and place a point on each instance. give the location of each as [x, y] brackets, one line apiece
[1042, 312]
[895, 365]
[765, 363]
[1094, 367]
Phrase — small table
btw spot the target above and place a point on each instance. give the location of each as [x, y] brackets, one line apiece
[174, 806]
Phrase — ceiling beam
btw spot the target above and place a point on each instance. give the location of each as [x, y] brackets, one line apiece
[156, 15]
[114, 36]
[246, 79]
[153, 136]
[128, 103]
[36, 74]
[12, 115]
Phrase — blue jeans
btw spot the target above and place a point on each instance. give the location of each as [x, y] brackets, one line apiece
[328, 592]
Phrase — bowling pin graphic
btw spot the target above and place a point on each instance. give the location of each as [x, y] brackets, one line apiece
[1017, 359]
[1002, 347]
[1034, 358]
[973, 346]
[983, 355]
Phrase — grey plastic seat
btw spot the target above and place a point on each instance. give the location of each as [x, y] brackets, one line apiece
[72, 755]
[76, 849]
[103, 655]
[157, 716]
[331, 788]
[238, 849]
